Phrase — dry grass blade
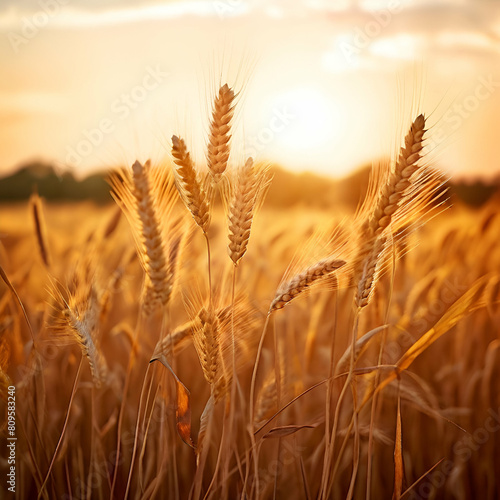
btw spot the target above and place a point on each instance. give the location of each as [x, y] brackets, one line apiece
[182, 404]
[286, 430]
[470, 301]
[398, 457]
[408, 490]
[204, 435]
[219, 138]
[6, 280]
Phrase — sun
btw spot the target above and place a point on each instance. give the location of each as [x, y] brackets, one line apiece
[313, 119]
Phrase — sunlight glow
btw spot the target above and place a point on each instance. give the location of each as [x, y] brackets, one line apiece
[314, 120]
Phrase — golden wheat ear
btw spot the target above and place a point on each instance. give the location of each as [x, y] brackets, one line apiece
[249, 185]
[40, 231]
[146, 197]
[302, 282]
[207, 343]
[189, 185]
[76, 316]
[406, 194]
[399, 179]
[219, 138]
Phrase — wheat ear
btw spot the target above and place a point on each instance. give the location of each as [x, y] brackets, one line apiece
[248, 188]
[206, 341]
[38, 219]
[370, 274]
[79, 314]
[395, 191]
[175, 342]
[137, 199]
[188, 183]
[219, 137]
[303, 281]
[159, 285]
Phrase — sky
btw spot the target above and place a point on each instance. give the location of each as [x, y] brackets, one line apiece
[323, 86]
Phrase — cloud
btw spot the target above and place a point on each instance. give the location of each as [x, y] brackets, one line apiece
[405, 30]
[67, 14]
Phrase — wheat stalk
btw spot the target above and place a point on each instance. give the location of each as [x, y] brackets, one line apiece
[219, 138]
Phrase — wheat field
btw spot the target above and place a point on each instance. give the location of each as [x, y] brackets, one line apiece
[190, 340]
